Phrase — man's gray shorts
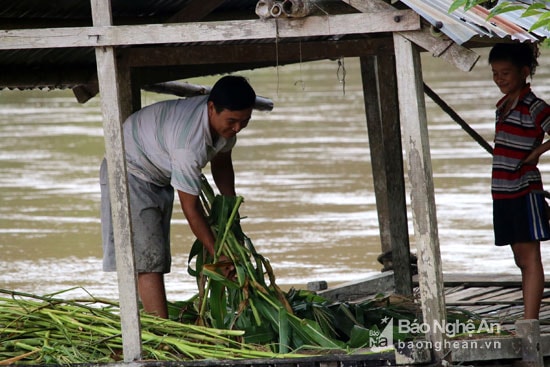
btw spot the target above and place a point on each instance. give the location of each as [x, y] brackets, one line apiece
[151, 210]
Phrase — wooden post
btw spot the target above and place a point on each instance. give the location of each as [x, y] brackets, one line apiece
[115, 108]
[414, 124]
[531, 349]
[382, 110]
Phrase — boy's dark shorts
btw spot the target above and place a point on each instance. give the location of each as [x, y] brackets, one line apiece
[523, 219]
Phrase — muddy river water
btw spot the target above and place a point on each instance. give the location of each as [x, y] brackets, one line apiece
[303, 169]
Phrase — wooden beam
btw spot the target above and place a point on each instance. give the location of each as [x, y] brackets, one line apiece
[382, 110]
[192, 90]
[229, 54]
[235, 30]
[446, 49]
[356, 290]
[194, 11]
[412, 109]
[115, 108]
[242, 56]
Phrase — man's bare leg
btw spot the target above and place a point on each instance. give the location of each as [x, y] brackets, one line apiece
[153, 293]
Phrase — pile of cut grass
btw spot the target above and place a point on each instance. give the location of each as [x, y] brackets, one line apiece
[47, 330]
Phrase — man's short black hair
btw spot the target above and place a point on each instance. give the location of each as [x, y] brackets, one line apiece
[232, 93]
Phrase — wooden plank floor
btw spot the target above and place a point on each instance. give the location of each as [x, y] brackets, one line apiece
[494, 297]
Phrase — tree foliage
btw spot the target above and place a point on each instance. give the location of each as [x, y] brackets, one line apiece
[537, 8]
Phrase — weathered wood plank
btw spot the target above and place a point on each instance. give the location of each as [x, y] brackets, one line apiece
[529, 331]
[328, 360]
[350, 291]
[513, 295]
[482, 279]
[236, 30]
[489, 309]
[490, 294]
[450, 290]
[545, 312]
[113, 116]
[382, 110]
[414, 124]
[469, 294]
[486, 349]
[490, 348]
[461, 57]
[246, 56]
[250, 53]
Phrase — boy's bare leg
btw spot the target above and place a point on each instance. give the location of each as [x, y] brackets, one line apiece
[528, 259]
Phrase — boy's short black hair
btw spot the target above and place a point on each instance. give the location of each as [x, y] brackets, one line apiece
[519, 54]
[232, 93]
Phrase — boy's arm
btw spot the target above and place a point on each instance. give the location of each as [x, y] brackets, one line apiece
[533, 157]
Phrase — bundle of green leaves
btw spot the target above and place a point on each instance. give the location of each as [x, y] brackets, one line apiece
[284, 321]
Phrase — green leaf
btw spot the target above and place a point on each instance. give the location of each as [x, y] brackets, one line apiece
[241, 275]
[466, 4]
[284, 338]
[268, 312]
[543, 21]
[534, 9]
[209, 271]
[196, 252]
[311, 333]
[218, 305]
[259, 334]
[360, 337]
[457, 4]
[344, 319]
[255, 312]
[504, 8]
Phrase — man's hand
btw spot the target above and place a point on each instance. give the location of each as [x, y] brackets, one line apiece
[226, 267]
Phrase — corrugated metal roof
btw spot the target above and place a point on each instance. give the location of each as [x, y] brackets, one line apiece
[81, 9]
[462, 26]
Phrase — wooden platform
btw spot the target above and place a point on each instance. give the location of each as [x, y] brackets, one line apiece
[495, 298]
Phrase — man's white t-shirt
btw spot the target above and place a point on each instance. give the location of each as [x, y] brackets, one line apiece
[169, 143]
